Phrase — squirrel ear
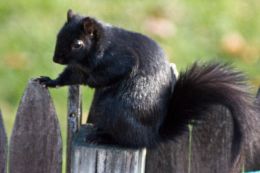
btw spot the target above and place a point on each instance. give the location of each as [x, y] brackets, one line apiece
[70, 15]
[89, 26]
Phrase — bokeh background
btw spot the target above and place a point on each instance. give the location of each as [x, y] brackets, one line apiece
[188, 30]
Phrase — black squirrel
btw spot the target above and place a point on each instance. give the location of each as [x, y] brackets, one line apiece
[138, 101]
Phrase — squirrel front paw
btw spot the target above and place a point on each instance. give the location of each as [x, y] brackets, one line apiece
[46, 81]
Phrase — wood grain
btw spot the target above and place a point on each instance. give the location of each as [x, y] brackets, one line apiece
[88, 158]
[36, 145]
[171, 157]
[74, 119]
[3, 146]
[212, 144]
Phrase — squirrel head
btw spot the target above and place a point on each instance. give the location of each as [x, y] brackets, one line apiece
[77, 39]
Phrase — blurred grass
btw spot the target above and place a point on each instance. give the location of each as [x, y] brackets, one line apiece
[188, 30]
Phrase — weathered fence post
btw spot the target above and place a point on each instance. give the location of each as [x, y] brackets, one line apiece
[36, 145]
[88, 158]
[3, 146]
[252, 159]
[171, 157]
[212, 151]
[74, 119]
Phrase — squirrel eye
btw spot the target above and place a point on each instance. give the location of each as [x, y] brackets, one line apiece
[78, 44]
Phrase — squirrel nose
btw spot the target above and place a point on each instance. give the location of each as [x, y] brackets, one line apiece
[57, 60]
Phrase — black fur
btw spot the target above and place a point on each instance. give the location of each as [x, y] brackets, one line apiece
[200, 88]
[134, 103]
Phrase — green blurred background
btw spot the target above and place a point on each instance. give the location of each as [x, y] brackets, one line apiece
[188, 30]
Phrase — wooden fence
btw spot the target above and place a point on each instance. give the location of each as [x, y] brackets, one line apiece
[36, 144]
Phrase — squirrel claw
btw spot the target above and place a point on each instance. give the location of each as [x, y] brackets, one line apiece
[46, 81]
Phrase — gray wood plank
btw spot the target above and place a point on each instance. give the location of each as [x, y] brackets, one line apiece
[253, 148]
[74, 119]
[211, 144]
[3, 146]
[171, 157]
[88, 158]
[36, 145]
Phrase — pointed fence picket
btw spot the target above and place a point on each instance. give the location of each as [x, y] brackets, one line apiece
[36, 144]
[3, 146]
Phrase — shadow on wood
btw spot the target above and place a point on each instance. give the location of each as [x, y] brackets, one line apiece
[36, 145]
[88, 158]
[74, 119]
[171, 157]
[253, 149]
[3, 146]
[211, 143]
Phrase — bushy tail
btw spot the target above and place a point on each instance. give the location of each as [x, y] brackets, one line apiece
[201, 87]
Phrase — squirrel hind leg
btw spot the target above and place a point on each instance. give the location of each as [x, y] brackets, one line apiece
[98, 137]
